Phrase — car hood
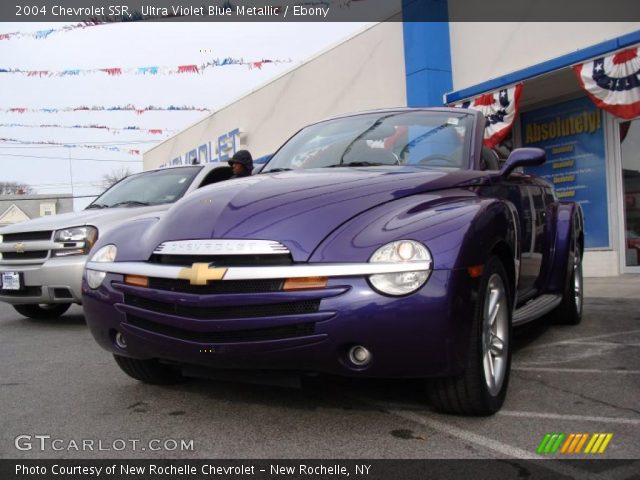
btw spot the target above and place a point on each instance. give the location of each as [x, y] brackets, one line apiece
[298, 208]
[100, 218]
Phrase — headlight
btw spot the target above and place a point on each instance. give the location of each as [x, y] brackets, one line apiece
[402, 251]
[79, 240]
[105, 254]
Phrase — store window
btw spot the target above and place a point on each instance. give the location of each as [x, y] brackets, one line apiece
[630, 153]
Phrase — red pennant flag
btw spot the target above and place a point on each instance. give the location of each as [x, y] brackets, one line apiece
[112, 71]
[188, 69]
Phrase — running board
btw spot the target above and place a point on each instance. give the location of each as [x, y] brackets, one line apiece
[536, 308]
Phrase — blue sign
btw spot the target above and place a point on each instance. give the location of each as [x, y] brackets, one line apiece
[572, 134]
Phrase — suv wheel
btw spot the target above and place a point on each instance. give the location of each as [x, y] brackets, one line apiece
[42, 310]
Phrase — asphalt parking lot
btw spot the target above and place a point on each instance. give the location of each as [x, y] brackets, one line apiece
[55, 381]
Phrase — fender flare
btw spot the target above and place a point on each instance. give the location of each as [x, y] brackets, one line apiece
[569, 234]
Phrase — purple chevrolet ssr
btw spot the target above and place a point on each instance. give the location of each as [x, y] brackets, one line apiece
[381, 244]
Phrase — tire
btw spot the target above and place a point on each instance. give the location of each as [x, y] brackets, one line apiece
[569, 312]
[476, 391]
[149, 371]
[42, 310]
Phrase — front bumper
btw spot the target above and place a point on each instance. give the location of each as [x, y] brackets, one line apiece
[57, 280]
[420, 335]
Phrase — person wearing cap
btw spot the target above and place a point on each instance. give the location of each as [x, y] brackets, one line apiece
[241, 164]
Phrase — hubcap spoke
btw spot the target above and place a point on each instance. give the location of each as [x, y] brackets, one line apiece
[497, 346]
[491, 377]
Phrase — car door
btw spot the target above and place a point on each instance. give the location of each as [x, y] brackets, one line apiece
[518, 189]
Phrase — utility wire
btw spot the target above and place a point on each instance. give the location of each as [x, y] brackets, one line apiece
[67, 158]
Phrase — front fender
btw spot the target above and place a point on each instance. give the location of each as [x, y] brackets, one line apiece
[459, 228]
[569, 235]
[131, 238]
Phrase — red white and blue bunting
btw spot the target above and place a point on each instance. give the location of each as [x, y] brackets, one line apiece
[149, 70]
[100, 108]
[613, 82]
[500, 109]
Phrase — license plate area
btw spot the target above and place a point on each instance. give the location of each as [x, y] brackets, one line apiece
[11, 281]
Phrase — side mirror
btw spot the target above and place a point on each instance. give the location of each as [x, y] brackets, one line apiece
[523, 157]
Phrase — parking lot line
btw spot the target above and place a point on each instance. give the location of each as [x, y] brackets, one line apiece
[559, 416]
[575, 370]
[499, 447]
[578, 340]
[467, 436]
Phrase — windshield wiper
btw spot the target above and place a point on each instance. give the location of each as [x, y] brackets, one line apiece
[130, 203]
[96, 205]
[358, 164]
[278, 170]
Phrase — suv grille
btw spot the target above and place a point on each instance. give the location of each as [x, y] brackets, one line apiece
[32, 255]
[26, 236]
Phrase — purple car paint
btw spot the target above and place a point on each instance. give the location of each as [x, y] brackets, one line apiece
[428, 253]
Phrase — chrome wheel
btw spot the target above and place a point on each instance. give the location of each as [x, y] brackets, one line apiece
[577, 281]
[495, 334]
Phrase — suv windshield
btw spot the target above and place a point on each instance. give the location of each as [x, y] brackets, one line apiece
[148, 188]
[424, 138]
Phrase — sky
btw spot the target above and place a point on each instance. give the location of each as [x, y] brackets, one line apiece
[53, 170]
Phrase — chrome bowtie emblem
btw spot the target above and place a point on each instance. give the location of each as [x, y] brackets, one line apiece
[19, 247]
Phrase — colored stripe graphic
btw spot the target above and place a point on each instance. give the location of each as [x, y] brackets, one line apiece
[572, 443]
[598, 442]
[551, 442]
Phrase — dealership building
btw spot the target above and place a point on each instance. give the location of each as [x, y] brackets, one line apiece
[593, 151]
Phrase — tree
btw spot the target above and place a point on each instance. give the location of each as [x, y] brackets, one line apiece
[115, 176]
[15, 188]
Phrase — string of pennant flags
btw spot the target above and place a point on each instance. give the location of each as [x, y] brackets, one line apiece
[129, 151]
[114, 130]
[100, 108]
[149, 70]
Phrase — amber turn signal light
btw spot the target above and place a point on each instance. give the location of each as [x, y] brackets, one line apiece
[304, 283]
[136, 280]
[475, 271]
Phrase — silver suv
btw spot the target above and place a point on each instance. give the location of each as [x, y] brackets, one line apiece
[41, 260]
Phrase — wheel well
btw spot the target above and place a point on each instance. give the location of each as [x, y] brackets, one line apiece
[504, 253]
[581, 244]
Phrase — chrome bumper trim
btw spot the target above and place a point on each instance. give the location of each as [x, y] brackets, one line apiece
[257, 273]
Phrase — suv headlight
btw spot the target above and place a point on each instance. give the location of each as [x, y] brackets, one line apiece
[105, 254]
[79, 240]
[401, 251]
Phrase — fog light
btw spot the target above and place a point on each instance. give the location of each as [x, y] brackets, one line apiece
[120, 341]
[359, 355]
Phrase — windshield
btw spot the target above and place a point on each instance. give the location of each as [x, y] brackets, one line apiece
[148, 188]
[422, 138]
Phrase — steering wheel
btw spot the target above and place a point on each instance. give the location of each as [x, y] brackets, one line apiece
[438, 160]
